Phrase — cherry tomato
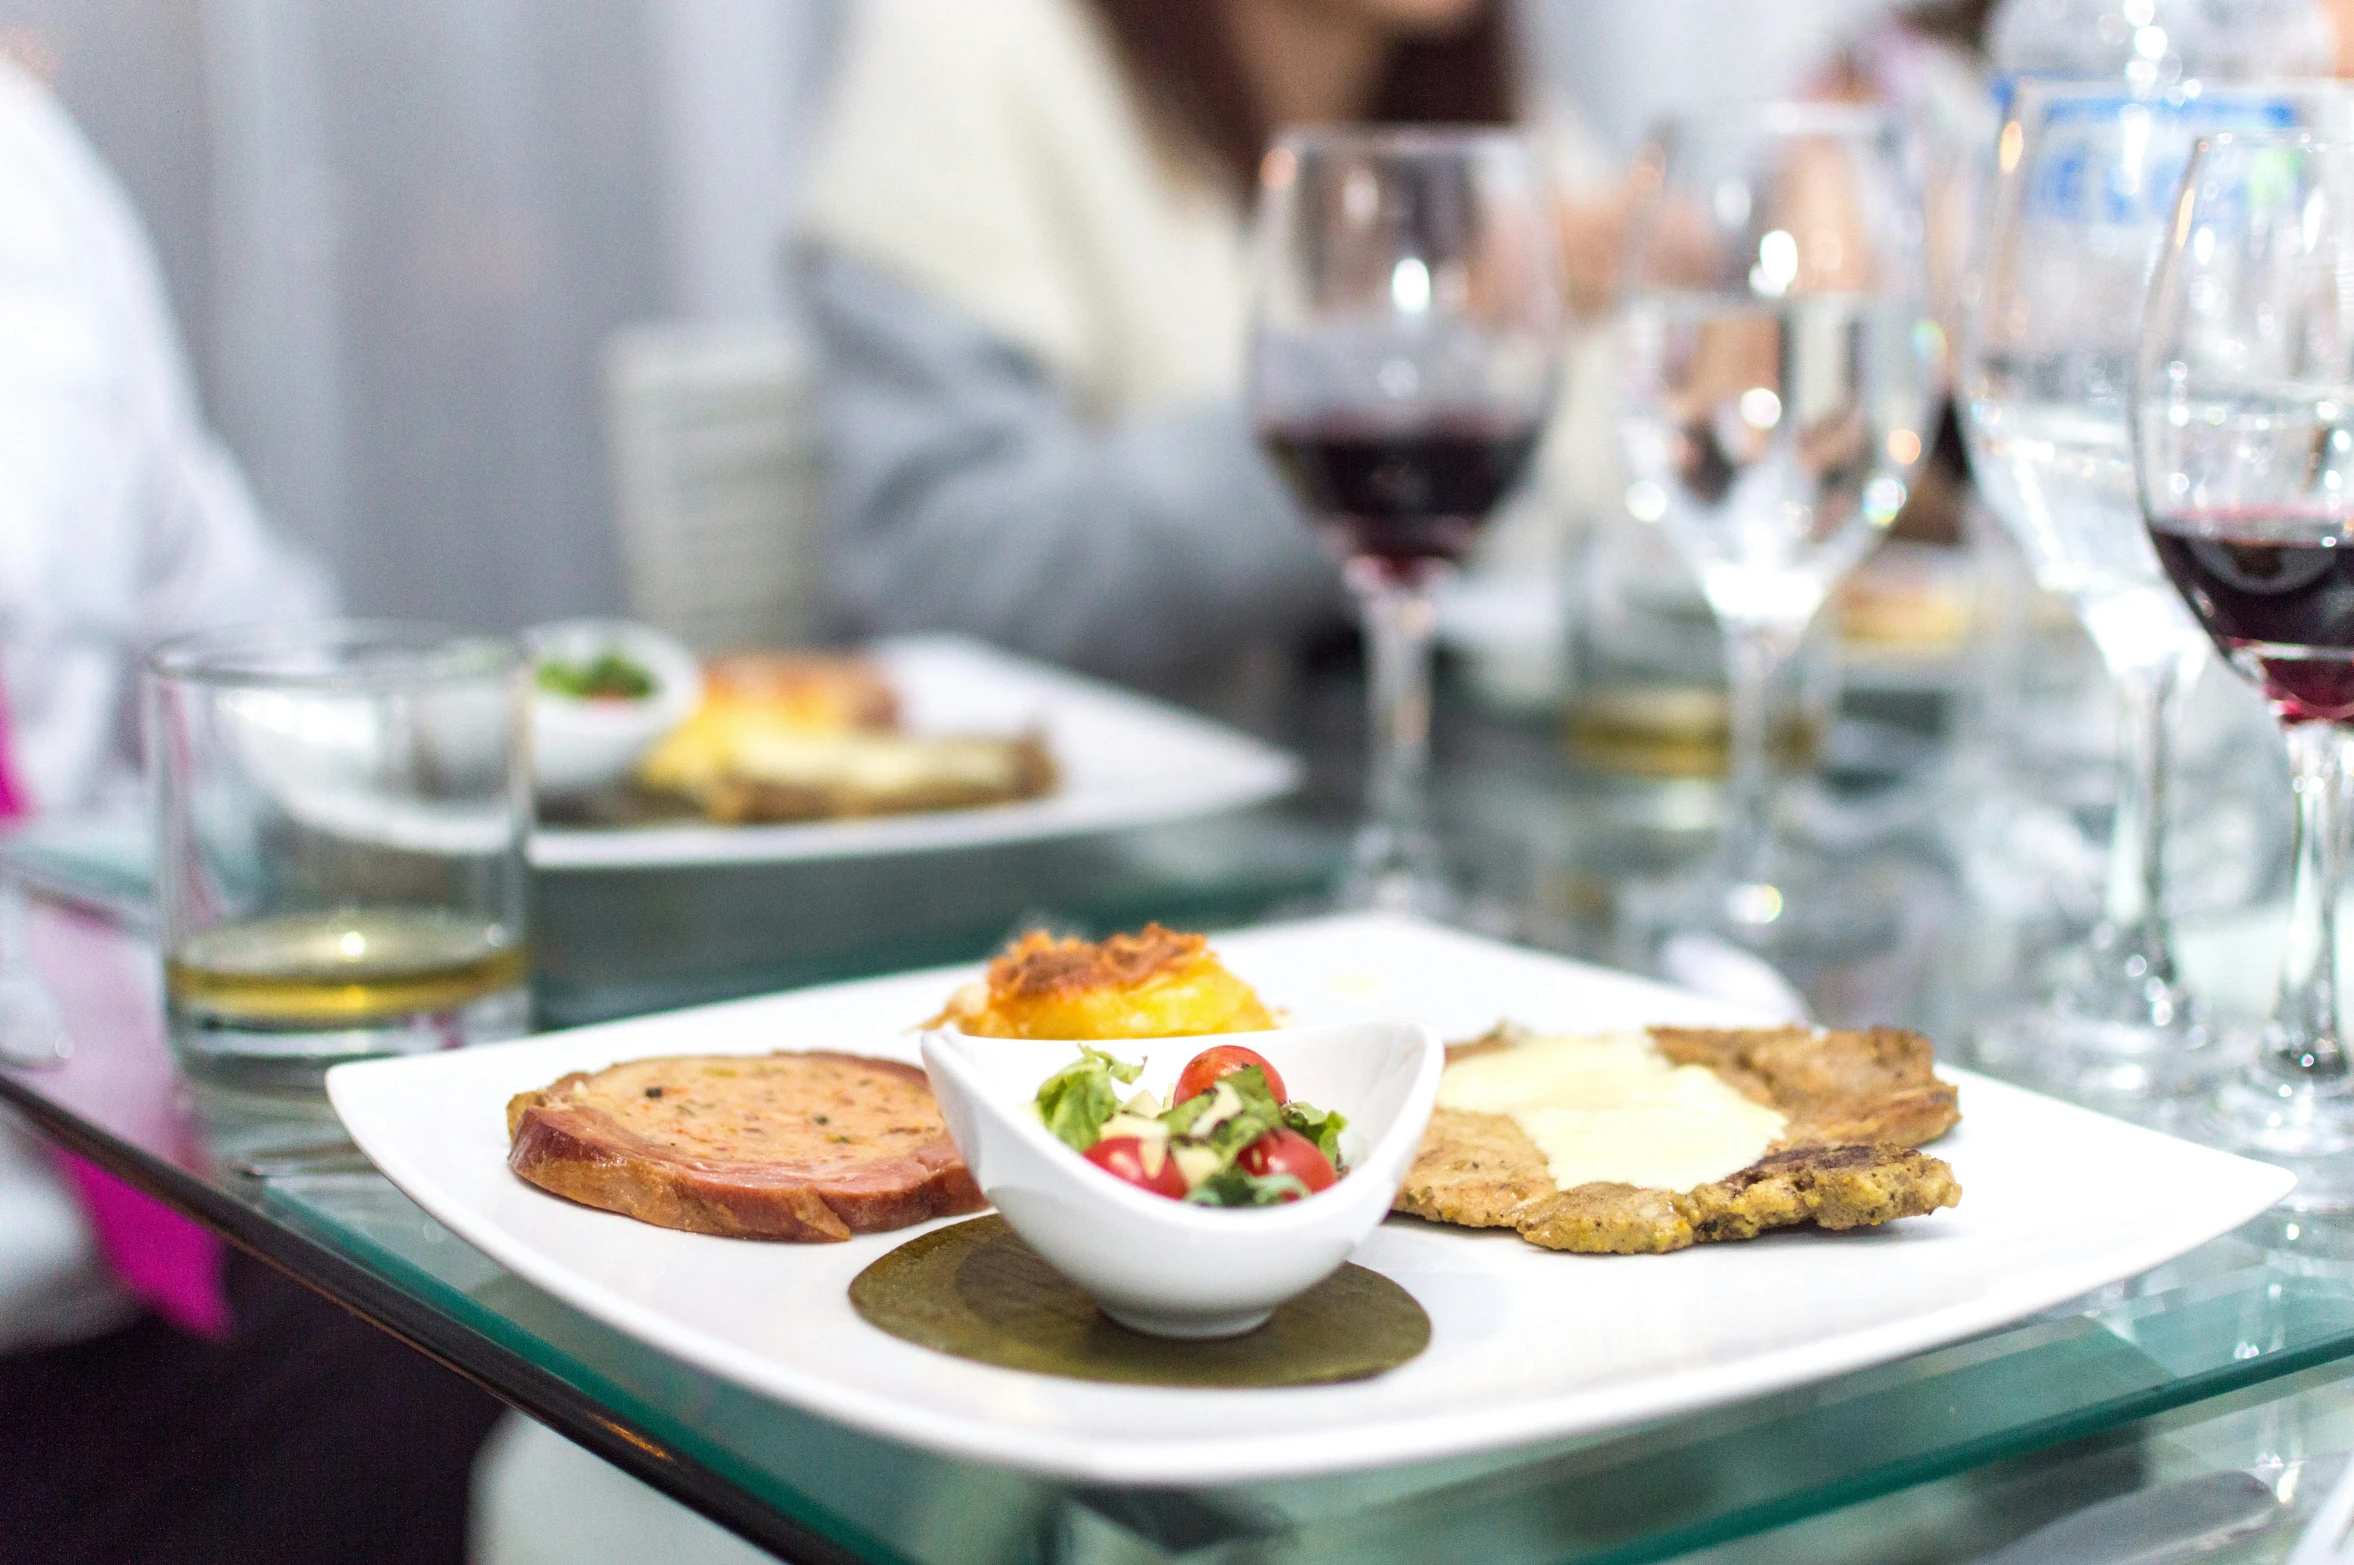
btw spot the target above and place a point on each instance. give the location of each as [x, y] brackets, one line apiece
[1288, 1152]
[1203, 1070]
[1122, 1157]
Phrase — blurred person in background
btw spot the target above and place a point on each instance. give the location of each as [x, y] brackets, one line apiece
[122, 520]
[1027, 274]
[154, 1403]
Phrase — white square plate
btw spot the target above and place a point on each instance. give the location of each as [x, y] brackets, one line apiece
[1124, 760]
[1526, 1345]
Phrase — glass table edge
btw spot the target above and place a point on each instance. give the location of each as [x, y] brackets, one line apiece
[597, 1390]
[383, 1300]
[1865, 1482]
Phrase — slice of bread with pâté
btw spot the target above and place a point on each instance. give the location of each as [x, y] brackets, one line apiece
[809, 1147]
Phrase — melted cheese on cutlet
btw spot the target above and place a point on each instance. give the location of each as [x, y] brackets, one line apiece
[1608, 1108]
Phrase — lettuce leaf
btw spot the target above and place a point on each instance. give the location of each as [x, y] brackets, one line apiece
[1258, 1113]
[1322, 1126]
[1250, 1087]
[1229, 1139]
[1232, 1186]
[1075, 1101]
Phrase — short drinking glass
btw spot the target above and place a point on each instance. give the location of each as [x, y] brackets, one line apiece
[341, 810]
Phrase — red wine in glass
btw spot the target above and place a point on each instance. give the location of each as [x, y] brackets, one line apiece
[2276, 591]
[1407, 493]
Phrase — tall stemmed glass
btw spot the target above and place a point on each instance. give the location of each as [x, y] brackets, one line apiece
[1777, 365]
[1402, 359]
[2087, 175]
[2244, 445]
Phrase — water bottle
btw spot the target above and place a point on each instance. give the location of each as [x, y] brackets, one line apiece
[2155, 43]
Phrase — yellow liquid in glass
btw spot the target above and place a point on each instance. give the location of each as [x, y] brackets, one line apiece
[343, 968]
[1673, 731]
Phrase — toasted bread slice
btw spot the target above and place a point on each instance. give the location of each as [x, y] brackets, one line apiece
[1856, 1104]
[811, 1147]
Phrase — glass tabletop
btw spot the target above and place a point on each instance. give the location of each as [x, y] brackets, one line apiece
[2270, 1301]
[2232, 1315]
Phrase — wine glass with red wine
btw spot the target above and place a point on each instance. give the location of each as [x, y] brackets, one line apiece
[1406, 318]
[2085, 199]
[2243, 428]
[1777, 358]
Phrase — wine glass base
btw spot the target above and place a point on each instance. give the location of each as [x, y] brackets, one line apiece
[2141, 1072]
[1390, 873]
[1798, 919]
[2306, 1127]
[1836, 933]
[2113, 1033]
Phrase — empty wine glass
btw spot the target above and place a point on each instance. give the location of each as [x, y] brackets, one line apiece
[1402, 362]
[2243, 425]
[1778, 360]
[2087, 175]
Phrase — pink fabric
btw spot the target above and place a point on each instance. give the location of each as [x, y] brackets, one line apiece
[122, 1080]
[14, 805]
[169, 1264]
[166, 1261]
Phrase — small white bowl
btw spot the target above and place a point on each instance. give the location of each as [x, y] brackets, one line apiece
[1166, 1267]
[579, 746]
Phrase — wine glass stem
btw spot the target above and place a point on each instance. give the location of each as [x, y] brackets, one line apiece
[2304, 1039]
[2134, 906]
[1756, 653]
[1393, 847]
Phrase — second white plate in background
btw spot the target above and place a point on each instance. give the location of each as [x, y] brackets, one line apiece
[1125, 761]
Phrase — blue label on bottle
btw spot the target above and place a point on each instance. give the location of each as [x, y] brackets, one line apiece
[2118, 159]
[2003, 86]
